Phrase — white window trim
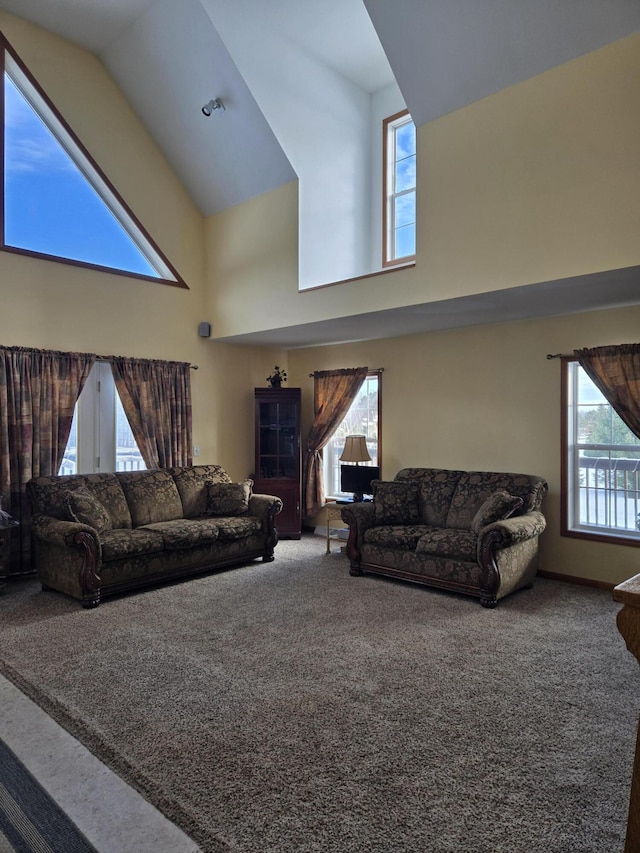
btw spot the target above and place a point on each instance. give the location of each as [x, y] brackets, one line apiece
[96, 423]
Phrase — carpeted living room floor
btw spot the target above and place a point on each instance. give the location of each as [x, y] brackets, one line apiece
[290, 707]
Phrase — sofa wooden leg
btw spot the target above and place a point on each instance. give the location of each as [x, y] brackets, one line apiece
[489, 602]
[355, 570]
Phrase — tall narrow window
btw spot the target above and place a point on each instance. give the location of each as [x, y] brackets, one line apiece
[399, 210]
[57, 204]
[602, 465]
[363, 418]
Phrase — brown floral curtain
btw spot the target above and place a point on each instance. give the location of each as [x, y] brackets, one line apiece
[156, 398]
[615, 370]
[38, 394]
[334, 392]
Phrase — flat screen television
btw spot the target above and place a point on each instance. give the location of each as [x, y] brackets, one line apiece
[357, 479]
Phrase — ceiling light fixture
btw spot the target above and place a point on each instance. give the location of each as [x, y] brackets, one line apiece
[215, 104]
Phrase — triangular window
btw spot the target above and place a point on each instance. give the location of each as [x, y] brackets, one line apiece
[56, 201]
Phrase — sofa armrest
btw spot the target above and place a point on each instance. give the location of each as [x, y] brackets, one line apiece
[57, 532]
[69, 549]
[360, 517]
[264, 506]
[512, 537]
[502, 534]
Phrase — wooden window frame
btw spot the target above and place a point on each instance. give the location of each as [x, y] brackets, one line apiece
[567, 488]
[378, 373]
[108, 192]
[388, 194]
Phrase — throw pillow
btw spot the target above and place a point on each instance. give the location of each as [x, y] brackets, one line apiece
[225, 499]
[498, 506]
[396, 502]
[84, 508]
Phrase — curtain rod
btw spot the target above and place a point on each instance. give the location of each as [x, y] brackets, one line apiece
[113, 357]
[373, 370]
[559, 355]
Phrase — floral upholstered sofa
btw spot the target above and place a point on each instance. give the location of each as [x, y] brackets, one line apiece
[100, 534]
[474, 532]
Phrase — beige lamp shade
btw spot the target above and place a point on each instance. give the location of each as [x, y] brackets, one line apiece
[355, 449]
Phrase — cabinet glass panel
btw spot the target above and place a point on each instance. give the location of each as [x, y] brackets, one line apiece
[278, 436]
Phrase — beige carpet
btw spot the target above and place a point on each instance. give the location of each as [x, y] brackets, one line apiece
[290, 707]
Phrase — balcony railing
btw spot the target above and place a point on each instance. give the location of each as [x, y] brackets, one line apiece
[609, 493]
[124, 462]
[130, 463]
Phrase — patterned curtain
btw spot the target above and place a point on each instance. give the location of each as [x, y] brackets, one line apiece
[156, 398]
[615, 370]
[334, 392]
[38, 394]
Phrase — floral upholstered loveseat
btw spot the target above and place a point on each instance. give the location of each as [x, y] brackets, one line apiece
[99, 534]
[474, 532]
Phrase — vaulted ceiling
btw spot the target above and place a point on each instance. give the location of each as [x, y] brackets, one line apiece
[170, 58]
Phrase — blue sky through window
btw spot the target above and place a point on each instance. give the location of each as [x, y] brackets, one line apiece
[405, 182]
[49, 205]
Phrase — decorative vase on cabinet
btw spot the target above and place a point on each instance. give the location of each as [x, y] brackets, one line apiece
[278, 463]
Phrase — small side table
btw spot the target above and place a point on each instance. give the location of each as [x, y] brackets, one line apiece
[5, 529]
[334, 511]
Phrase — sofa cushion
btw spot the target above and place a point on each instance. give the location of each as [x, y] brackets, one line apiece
[238, 528]
[437, 486]
[191, 483]
[395, 502]
[405, 536]
[228, 499]
[119, 544]
[498, 506]
[86, 509]
[185, 532]
[152, 496]
[449, 542]
[107, 489]
[48, 495]
[474, 487]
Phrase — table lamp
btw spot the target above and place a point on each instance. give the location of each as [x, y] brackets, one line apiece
[352, 479]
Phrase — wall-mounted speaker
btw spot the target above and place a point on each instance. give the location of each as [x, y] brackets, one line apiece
[204, 330]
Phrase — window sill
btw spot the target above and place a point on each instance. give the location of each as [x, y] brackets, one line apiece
[403, 266]
[603, 536]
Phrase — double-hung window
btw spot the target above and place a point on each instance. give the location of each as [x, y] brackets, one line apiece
[601, 482]
[399, 205]
[363, 418]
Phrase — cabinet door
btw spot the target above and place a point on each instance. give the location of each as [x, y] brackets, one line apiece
[278, 455]
[278, 440]
[288, 522]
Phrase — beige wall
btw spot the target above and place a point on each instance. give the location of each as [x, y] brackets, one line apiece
[563, 189]
[56, 306]
[538, 182]
[484, 398]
